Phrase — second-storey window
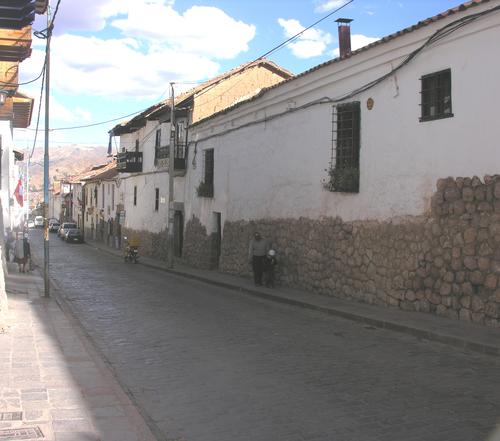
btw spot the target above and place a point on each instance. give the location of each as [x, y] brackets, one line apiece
[209, 168]
[436, 96]
[157, 199]
[157, 144]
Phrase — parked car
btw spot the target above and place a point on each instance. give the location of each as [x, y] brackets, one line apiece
[73, 235]
[38, 221]
[64, 229]
[54, 226]
[31, 223]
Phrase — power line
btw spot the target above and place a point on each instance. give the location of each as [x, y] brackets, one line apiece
[43, 34]
[83, 126]
[281, 45]
[297, 35]
[38, 114]
[436, 36]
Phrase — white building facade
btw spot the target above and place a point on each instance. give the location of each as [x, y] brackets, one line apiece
[143, 157]
[407, 128]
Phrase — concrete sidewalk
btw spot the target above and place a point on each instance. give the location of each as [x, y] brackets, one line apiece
[456, 333]
[53, 384]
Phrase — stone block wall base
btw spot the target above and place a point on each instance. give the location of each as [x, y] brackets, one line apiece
[446, 262]
[151, 244]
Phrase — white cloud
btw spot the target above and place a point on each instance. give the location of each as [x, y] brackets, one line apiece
[329, 5]
[159, 45]
[94, 66]
[201, 29]
[357, 42]
[311, 43]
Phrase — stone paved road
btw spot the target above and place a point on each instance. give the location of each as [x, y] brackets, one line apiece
[209, 364]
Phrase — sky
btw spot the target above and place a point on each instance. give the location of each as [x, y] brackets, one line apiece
[112, 58]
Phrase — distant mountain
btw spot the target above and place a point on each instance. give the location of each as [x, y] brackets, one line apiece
[65, 161]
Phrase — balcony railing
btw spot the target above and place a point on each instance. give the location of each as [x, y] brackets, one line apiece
[129, 162]
[162, 155]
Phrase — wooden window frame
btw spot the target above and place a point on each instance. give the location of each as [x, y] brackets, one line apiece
[436, 96]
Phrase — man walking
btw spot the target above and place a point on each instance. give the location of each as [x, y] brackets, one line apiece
[256, 254]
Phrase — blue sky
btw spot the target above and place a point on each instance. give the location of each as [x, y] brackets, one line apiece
[115, 57]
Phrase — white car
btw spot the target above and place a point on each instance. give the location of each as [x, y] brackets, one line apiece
[39, 221]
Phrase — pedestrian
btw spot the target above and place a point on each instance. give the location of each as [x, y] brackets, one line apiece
[19, 256]
[270, 262]
[256, 254]
[27, 253]
[9, 243]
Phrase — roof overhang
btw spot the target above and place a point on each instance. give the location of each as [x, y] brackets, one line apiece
[16, 14]
[15, 44]
[22, 109]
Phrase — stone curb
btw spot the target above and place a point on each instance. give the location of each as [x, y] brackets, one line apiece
[443, 338]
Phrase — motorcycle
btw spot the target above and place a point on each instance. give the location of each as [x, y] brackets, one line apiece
[131, 253]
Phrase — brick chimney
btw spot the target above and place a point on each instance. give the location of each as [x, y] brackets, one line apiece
[344, 36]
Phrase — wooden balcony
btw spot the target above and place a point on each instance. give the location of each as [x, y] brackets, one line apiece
[16, 14]
[129, 162]
[15, 44]
[162, 158]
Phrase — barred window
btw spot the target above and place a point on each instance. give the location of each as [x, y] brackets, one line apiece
[209, 167]
[436, 96]
[344, 165]
[157, 145]
[206, 187]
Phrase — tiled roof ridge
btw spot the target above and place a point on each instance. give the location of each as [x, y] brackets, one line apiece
[191, 92]
[422, 23]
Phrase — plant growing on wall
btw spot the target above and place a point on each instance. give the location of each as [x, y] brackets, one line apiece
[205, 190]
[342, 179]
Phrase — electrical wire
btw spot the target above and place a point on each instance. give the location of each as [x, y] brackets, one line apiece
[44, 35]
[298, 34]
[38, 114]
[213, 85]
[436, 36]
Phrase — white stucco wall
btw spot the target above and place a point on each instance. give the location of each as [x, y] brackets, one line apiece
[143, 215]
[274, 169]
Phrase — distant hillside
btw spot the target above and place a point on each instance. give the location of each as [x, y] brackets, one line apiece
[64, 162]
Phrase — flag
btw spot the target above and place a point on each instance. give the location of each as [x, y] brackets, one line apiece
[19, 192]
[110, 148]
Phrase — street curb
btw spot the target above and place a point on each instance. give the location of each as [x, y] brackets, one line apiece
[100, 356]
[443, 338]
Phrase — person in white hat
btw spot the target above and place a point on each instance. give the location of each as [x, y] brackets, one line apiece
[270, 263]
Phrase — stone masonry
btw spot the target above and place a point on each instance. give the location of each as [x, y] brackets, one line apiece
[199, 248]
[446, 262]
[151, 244]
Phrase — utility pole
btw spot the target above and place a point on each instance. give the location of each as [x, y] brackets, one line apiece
[171, 166]
[27, 192]
[46, 165]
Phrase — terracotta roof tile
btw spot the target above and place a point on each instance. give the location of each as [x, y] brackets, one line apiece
[460, 8]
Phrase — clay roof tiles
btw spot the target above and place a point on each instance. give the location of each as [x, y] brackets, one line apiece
[460, 8]
[139, 120]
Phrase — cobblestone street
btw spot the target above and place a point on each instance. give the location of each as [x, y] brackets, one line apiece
[205, 363]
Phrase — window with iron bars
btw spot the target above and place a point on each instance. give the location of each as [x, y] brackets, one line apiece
[343, 172]
[435, 96]
[157, 144]
[206, 187]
